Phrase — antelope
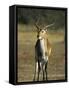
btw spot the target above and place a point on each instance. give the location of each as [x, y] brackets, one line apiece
[42, 52]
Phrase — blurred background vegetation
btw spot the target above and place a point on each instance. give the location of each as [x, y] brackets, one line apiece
[29, 16]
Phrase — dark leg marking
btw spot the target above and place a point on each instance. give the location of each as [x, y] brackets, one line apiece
[38, 71]
[46, 70]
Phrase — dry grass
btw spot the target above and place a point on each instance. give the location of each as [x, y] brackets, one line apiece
[26, 60]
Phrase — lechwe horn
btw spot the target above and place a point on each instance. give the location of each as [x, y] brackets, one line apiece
[36, 24]
[48, 26]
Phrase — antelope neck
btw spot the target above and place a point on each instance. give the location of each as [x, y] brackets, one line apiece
[40, 38]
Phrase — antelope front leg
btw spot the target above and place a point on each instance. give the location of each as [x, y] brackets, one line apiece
[43, 70]
[46, 69]
[38, 71]
[36, 74]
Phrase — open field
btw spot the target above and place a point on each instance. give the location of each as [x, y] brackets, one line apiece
[26, 56]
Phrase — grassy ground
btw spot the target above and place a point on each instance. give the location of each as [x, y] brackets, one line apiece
[26, 60]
